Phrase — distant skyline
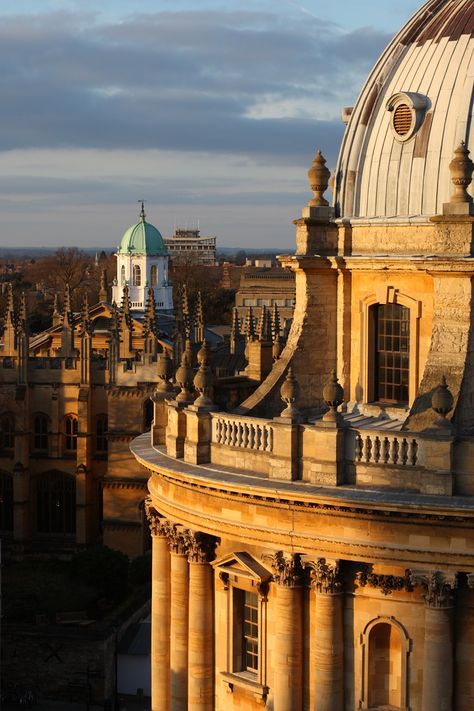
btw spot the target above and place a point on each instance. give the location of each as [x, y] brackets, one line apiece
[212, 115]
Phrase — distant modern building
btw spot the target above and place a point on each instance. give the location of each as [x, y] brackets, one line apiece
[264, 286]
[190, 246]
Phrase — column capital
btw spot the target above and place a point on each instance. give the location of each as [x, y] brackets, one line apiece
[178, 540]
[200, 546]
[159, 526]
[287, 569]
[325, 575]
[438, 586]
[387, 584]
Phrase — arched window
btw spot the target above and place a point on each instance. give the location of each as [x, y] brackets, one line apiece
[385, 663]
[391, 365]
[122, 276]
[101, 434]
[70, 440]
[153, 275]
[6, 502]
[7, 433]
[384, 667]
[137, 275]
[55, 503]
[148, 413]
[40, 432]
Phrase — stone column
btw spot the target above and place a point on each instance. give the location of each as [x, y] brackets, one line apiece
[160, 612]
[438, 650]
[288, 644]
[328, 635]
[201, 628]
[179, 620]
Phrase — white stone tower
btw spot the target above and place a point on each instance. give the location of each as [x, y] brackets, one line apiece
[142, 262]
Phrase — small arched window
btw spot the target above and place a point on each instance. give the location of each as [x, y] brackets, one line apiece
[40, 432]
[137, 275]
[7, 432]
[122, 276]
[101, 434]
[70, 441]
[55, 503]
[148, 413]
[6, 502]
[153, 275]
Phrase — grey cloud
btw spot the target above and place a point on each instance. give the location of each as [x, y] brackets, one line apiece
[182, 81]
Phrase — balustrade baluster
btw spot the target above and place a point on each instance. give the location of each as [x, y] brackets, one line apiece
[386, 450]
[376, 449]
[413, 452]
[368, 448]
[404, 451]
[358, 447]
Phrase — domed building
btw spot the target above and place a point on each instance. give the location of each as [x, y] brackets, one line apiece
[142, 263]
[314, 548]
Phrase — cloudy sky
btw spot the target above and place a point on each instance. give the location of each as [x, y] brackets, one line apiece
[211, 110]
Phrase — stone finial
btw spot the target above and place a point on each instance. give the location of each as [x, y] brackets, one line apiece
[289, 394]
[333, 395]
[204, 353]
[442, 402]
[165, 372]
[184, 378]
[461, 169]
[318, 176]
[203, 380]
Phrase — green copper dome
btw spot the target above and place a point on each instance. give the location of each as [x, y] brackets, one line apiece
[142, 238]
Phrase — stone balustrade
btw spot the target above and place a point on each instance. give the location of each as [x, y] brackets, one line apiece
[384, 448]
[242, 432]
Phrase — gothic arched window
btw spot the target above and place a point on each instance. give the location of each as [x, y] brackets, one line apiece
[137, 275]
[7, 432]
[122, 276]
[6, 502]
[40, 432]
[391, 324]
[70, 431]
[55, 503]
[101, 434]
[153, 275]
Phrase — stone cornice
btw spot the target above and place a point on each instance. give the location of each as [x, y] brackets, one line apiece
[437, 585]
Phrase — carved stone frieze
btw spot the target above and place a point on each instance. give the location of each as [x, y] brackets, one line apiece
[387, 584]
[325, 575]
[437, 585]
[287, 568]
[200, 546]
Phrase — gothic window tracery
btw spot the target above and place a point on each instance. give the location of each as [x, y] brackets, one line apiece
[55, 503]
[70, 430]
[6, 502]
[40, 432]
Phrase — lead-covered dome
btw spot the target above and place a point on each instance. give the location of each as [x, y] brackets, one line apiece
[414, 110]
[142, 238]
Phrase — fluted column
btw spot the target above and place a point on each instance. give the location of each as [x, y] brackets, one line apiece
[328, 635]
[201, 628]
[160, 612]
[288, 645]
[179, 621]
[438, 649]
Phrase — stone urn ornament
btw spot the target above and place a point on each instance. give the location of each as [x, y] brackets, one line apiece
[333, 395]
[318, 176]
[165, 372]
[203, 382]
[461, 169]
[184, 378]
[442, 402]
[289, 393]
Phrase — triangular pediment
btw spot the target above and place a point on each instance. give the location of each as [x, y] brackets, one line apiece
[242, 564]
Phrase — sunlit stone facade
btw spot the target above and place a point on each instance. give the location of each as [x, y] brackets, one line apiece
[320, 554]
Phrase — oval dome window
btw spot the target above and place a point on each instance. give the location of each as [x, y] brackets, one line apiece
[402, 120]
